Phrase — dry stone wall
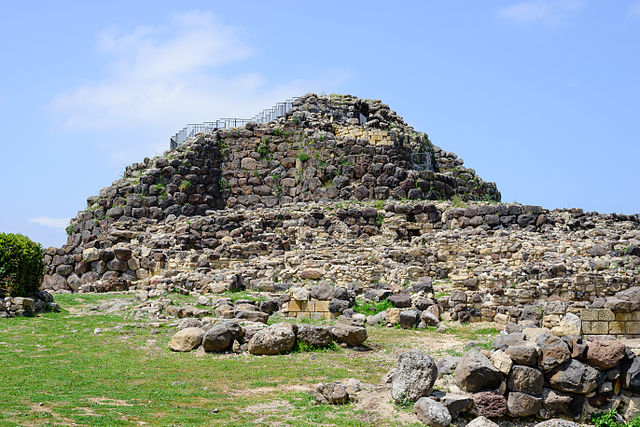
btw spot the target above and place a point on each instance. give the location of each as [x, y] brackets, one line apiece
[331, 191]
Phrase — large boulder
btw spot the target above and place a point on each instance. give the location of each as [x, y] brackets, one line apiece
[186, 339]
[432, 413]
[503, 342]
[525, 379]
[220, 337]
[275, 339]
[414, 376]
[490, 404]
[557, 403]
[553, 349]
[523, 404]
[605, 354]
[409, 319]
[429, 318]
[350, 335]
[252, 315]
[524, 354]
[575, 377]
[314, 336]
[475, 372]
[401, 300]
[321, 291]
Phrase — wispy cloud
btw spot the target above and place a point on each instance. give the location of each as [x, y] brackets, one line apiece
[548, 12]
[634, 10]
[160, 78]
[46, 221]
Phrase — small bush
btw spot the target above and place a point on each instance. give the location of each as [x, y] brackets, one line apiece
[21, 265]
[302, 347]
[612, 419]
[303, 156]
[458, 202]
[371, 308]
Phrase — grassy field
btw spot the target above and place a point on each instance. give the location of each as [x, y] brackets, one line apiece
[83, 367]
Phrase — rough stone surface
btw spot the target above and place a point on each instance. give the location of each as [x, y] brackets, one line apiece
[525, 379]
[558, 403]
[220, 337]
[575, 376]
[482, 422]
[524, 354]
[414, 376]
[186, 339]
[631, 375]
[315, 336]
[554, 351]
[475, 372]
[605, 354]
[457, 403]
[351, 335]
[490, 404]
[275, 339]
[570, 325]
[334, 393]
[502, 361]
[523, 404]
[432, 413]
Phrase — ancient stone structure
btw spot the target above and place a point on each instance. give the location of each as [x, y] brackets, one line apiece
[532, 374]
[321, 194]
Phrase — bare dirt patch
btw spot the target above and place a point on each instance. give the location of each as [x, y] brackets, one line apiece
[109, 402]
[267, 390]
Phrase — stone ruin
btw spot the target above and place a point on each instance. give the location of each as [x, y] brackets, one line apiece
[321, 195]
[339, 202]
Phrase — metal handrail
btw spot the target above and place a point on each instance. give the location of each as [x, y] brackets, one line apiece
[265, 116]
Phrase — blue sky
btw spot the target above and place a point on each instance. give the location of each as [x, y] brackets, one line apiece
[540, 96]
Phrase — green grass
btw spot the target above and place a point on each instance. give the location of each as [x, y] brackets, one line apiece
[55, 370]
[370, 308]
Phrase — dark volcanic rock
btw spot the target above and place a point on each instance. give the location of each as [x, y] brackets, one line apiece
[475, 372]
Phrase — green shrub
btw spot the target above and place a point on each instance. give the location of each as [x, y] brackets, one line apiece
[21, 265]
[303, 156]
[371, 308]
[302, 347]
[610, 419]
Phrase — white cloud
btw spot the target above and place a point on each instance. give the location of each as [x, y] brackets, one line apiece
[548, 12]
[634, 10]
[46, 221]
[160, 78]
